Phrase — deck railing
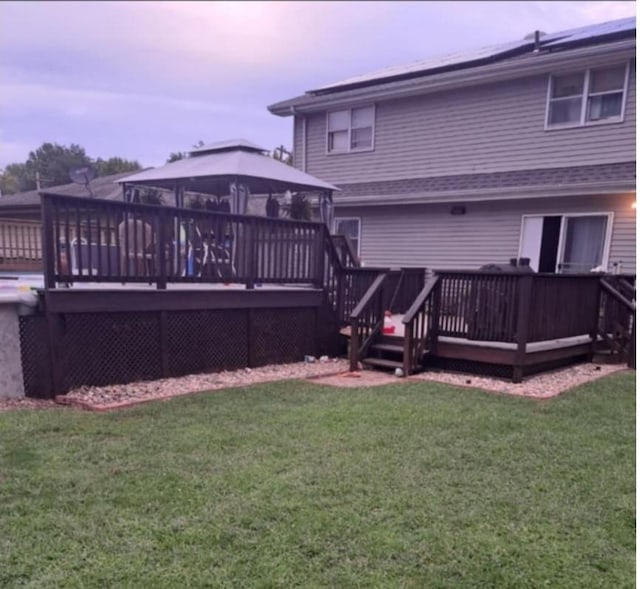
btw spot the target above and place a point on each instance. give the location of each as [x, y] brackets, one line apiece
[87, 240]
[514, 308]
[348, 256]
[402, 287]
[617, 318]
[562, 305]
[367, 319]
[484, 305]
[344, 286]
[479, 305]
[90, 240]
[20, 245]
[421, 325]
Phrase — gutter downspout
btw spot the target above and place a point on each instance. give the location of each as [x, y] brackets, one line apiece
[303, 158]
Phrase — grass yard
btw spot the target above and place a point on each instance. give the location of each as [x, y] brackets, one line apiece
[297, 485]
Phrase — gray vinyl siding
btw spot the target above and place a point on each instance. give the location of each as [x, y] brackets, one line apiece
[489, 232]
[495, 127]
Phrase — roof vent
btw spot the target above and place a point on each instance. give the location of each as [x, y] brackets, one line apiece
[535, 36]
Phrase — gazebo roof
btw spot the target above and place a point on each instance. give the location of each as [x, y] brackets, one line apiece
[228, 145]
[212, 167]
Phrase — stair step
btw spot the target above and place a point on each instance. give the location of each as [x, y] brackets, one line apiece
[382, 363]
[395, 348]
[394, 340]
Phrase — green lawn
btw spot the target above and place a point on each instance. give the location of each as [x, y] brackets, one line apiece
[293, 484]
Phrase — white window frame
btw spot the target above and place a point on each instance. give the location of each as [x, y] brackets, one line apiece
[349, 148]
[606, 248]
[358, 220]
[584, 122]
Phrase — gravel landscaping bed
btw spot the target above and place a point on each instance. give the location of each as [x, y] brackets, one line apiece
[116, 396]
[541, 386]
[333, 372]
[27, 403]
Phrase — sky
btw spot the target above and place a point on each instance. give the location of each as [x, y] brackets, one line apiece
[143, 79]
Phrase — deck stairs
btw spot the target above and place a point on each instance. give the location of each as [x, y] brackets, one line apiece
[616, 332]
[385, 353]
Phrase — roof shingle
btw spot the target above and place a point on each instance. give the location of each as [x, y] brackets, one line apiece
[552, 177]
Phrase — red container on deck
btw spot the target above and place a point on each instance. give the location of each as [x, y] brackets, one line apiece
[388, 327]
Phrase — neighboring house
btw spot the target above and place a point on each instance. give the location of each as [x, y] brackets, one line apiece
[26, 205]
[20, 213]
[524, 149]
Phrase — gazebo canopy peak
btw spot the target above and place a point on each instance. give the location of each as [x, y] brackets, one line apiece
[228, 145]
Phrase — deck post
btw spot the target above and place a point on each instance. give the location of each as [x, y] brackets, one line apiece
[525, 285]
[353, 346]
[407, 346]
[435, 319]
[339, 298]
[54, 334]
[250, 255]
[319, 243]
[161, 249]
[48, 246]
[596, 321]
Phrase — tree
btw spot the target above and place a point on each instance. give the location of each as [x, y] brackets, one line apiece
[175, 156]
[13, 179]
[115, 165]
[49, 165]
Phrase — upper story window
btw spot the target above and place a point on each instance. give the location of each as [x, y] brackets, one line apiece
[592, 96]
[350, 129]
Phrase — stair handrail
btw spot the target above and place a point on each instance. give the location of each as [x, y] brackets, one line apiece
[630, 350]
[396, 292]
[366, 320]
[333, 275]
[352, 257]
[627, 289]
[618, 295]
[416, 324]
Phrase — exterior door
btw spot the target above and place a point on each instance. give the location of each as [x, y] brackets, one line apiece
[569, 243]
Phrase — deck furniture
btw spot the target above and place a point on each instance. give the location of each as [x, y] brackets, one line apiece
[137, 238]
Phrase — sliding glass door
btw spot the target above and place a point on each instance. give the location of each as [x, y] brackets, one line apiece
[566, 243]
[584, 241]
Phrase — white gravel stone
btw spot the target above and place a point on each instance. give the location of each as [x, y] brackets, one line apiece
[171, 387]
[335, 372]
[541, 386]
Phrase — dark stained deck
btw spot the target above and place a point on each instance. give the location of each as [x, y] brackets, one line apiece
[190, 291]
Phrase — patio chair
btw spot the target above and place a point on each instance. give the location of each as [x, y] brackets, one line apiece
[136, 247]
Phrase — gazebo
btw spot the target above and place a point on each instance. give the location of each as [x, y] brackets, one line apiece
[235, 169]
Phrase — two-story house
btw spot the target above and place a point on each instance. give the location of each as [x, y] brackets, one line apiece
[524, 149]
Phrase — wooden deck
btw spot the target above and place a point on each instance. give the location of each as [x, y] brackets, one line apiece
[521, 320]
[136, 292]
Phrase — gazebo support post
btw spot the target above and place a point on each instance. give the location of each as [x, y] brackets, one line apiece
[175, 255]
